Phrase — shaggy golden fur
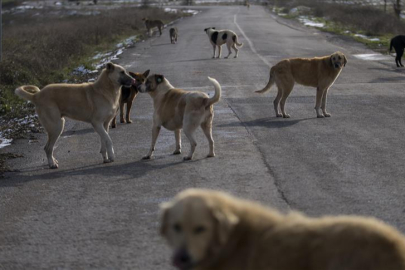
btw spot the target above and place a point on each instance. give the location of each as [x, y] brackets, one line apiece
[210, 230]
[95, 103]
[319, 72]
[176, 109]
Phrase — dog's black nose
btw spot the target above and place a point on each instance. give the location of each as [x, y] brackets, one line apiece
[182, 259]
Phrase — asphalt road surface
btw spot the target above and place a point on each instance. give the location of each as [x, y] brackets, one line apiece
[92, 215]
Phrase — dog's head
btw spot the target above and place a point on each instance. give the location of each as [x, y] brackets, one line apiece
[118, 75]
[196, 225]
[206, 29]
[140, 78]
[151, 83]
[338, 60]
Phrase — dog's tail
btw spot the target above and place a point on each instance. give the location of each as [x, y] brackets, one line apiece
[235, 39]
[217, 94]
[270, 83]
[27, 92]
[390, 46]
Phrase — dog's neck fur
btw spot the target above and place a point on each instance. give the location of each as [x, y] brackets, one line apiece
[104, 82]
[210, 31]
[160, 90]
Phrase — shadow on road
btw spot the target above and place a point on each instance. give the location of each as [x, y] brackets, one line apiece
[132, 170]
[269, 122]
[194, 60]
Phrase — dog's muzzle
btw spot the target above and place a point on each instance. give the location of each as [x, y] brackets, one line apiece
[182, 259]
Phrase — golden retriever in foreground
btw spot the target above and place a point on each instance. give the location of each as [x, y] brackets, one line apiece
[319, 72]
[95, 103]
[211, 230]
[176, 109]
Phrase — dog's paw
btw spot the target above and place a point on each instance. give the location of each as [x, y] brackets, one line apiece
[108, 160]
[235, 56]
[279, 115]
[320, 116]
[146, 157]
[327, 114]
[286, 116]
[53, 166]
[177, 152]
[210, 155]
[129, 121]
[122, 120]
[187, 158]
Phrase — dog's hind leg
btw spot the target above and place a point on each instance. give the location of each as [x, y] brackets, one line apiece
[122, 104]
[400, 54]
[177, 135]
[190, 124]
[286, 90]
[128, 116]
[155, 134]
[276, 102]
[107, 150]
[207, 129]
[236, 50]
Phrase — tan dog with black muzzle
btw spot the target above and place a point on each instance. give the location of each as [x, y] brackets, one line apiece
[95, 103]
[319, 72]
[211, 230]
[177, 109]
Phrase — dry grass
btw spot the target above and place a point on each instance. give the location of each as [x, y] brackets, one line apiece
[40, 49]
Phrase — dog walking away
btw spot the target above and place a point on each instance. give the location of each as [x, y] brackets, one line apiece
[177, 109]
[95, 103]
[319, 72]
[220, 37]
[128, 94]
[211, 230]
[150, 24]
[173, 35]
[398, 43]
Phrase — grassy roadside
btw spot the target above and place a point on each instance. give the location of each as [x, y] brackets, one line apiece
[39, 49]
[366, 24]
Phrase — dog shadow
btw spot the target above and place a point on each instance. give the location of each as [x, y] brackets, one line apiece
[162, 44]
[268, 122]
[196, 60]
[131, 170]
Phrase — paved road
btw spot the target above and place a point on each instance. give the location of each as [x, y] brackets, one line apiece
[89, 215]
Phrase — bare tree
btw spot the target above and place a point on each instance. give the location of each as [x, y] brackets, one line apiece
[397, 8]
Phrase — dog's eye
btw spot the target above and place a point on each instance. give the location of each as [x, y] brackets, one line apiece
[199, 229]
[177, 227]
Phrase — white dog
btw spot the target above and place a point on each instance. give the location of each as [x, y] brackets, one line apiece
[220, 37]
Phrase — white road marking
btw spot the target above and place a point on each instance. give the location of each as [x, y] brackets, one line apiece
[252, 47]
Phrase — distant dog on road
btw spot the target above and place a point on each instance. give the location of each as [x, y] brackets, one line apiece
[128, 94]
[176, 109]
[398, 43]
[95, 103]
[150, 24]
[173, 35]
[210, 230]
[319, 72]
[220, 37]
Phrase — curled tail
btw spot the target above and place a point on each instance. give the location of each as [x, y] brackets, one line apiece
[390, 46]
[235, 39]
[269, 84]
[217, 94]
[27, 92]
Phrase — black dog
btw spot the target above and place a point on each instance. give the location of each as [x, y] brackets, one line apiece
[398, 43]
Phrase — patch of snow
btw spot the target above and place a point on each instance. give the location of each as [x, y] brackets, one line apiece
[82, 70]
[4, 142]
[372, 56]
[190, 11]
[366, 37]
[308, 22]
[170, 10]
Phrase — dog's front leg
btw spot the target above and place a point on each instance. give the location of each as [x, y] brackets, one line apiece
[155, 134]
[323, 107]
[107, 150]
[214, 46]
[319, 93]
[177, 135]
[129, 106]
[122, 120]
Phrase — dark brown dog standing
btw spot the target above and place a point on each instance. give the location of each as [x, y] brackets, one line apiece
[128, 94]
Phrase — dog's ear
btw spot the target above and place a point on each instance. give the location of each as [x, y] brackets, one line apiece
[331, 61]
[164, 215]
[146, 73]
[345, 60]
[159, 78]
[110, 66]
[226, 222]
